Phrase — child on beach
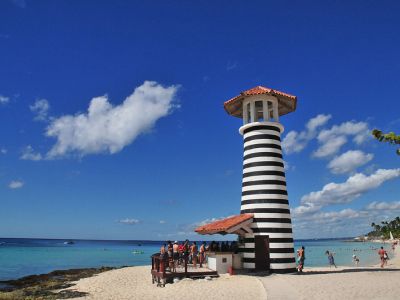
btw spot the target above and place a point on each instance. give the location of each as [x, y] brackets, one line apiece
[330, 259]
[300, 259]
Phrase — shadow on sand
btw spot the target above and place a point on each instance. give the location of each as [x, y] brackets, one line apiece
[318, 272]
[350, 270]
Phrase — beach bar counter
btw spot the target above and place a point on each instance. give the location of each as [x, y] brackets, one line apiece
[264, 225]
[224, 262]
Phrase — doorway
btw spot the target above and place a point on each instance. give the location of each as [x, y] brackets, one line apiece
[261, 250]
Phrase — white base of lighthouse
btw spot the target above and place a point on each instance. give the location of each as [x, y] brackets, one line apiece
[264, 195]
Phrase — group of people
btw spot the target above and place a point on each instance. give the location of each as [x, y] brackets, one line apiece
[383, 255]
[301, 258]
[177, 253]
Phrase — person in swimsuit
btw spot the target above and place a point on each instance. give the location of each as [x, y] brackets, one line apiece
[162, 258]
[386, 257]
[300, 259]
[356, 260]
[181, 251]
[162, 250]
[330, 259]
[170, 256]
[193, 252]
[202, 254]
[186, 251]
[381, 254]
[175, 250]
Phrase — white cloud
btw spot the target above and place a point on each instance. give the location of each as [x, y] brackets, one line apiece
[330, 147]
[4, 99]
[339, 193]
[15, 184]
[188, 229]
[108, 128]
[29, 154]
[40, 108]
[333, 216]
[342, 223]
[296, 141]
[331, 140]
[162, 222]
[316, 122]
[129, 221]
[395, 205]
[3, 150]
[288, 166]
[349, 161]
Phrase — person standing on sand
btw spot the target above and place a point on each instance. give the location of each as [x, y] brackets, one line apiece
[186, 251]
[381, 253]
[386, 257]
[175, 255]
[330, 259]
[202, 254]
[300, 258]
[193, 252]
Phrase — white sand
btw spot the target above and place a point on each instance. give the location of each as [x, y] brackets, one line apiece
[135, 283]
[315, 283]
[341, 283]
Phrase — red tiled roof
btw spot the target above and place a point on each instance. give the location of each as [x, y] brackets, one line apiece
[287, 101]
[222, 226]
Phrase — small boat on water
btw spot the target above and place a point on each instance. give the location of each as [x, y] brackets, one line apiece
[69, 243]
[137, 252]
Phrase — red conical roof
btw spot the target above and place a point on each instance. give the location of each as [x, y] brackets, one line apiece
[225, 226]
[287, 102]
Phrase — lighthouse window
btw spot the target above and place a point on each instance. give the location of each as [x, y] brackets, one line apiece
[259, 111]
[271, 111]
[248, 113]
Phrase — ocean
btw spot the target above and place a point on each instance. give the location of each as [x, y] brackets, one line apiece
[22, 257]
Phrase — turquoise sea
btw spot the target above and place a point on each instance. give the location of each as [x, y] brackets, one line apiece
[21, 257]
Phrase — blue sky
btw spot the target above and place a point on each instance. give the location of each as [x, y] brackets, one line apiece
[112, 123]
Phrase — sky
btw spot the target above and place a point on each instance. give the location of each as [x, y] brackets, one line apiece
[112, 123]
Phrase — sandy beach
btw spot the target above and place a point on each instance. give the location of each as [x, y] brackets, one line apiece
[315, 283]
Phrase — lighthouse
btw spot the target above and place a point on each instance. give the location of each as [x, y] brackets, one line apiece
[264, 224]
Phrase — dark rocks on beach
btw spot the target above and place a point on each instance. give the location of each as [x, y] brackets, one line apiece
[47, 286]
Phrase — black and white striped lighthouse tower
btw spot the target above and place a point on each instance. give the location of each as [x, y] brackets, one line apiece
[270, 242]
